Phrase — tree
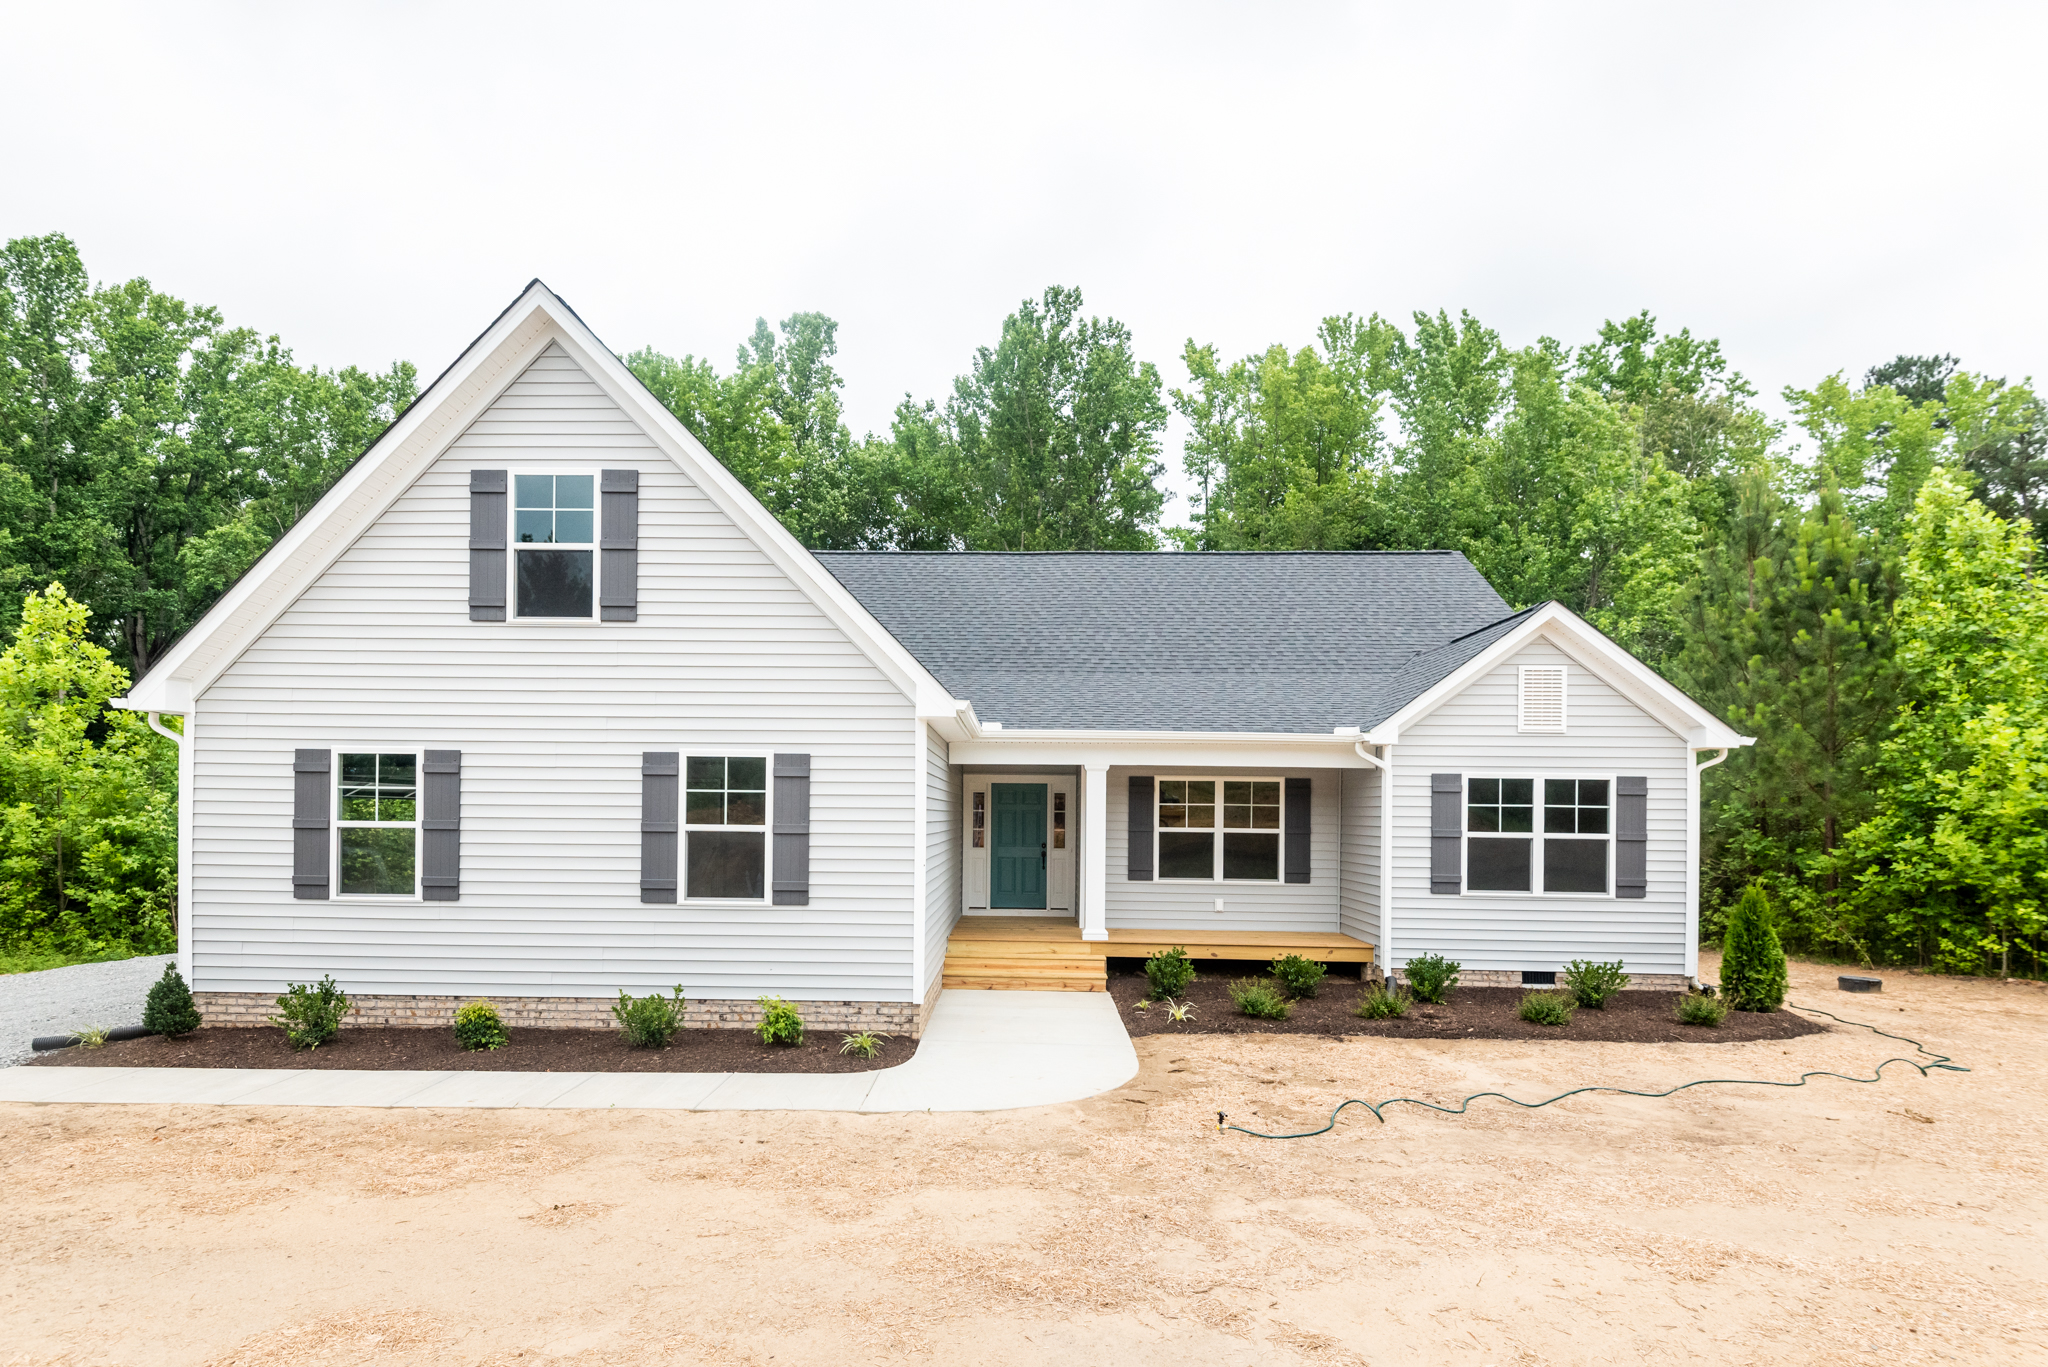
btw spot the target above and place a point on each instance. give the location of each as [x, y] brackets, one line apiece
[169, 1009]
[1752, 960]
[1916, 379]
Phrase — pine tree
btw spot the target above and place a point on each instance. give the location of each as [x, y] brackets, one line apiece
[1752, 960]
[170, 1010]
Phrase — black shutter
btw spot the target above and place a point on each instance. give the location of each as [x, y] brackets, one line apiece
[660, 814]
[1446, 833]
[441, 826]
[487, 519]
[312, 799]
[1632, 837]
[1138, 858]
[1297, 830]
[792, 871]
[619, 543]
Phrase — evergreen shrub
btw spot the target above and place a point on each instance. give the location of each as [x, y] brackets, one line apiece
[477, 1026]
[650, 1022]
[1381, 1002]
[1169, 972]
[1701, 1010]
[780, 1023]
[1300, 977]
[1430, 976]
[1591, 984]
[311, 1015]
[1259, 998]
[1548, 1008]
[1752, 960]
[169, 1009]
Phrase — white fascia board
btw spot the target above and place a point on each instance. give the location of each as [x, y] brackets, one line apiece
[1161, 749]
[1621, 671]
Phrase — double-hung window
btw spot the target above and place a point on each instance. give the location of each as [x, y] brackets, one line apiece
[1202, 838]
[725, 818]
[377, 828]
[1508, 850]
[553, 548]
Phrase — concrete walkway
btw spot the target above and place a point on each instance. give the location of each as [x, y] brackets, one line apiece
[983, 1051]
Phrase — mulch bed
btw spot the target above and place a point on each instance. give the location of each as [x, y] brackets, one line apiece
[1467, 1013]
[530, 1051]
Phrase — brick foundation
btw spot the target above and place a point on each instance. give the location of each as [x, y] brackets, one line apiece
[1512, 977]
[573, 1013]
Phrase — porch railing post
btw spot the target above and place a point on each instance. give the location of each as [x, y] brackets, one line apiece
[1095, 852]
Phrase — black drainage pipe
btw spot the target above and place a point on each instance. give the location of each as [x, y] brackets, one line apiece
[114, 1036]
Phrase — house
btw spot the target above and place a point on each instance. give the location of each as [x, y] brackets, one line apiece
[538, 704]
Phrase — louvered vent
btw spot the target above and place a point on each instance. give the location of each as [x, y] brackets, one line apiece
[1542, 698]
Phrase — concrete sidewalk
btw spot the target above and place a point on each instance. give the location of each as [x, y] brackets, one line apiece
[983, 1051]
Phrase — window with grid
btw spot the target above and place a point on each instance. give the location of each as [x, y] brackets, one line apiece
[1236, 838]
[1506, 848]
[553, 530]
[377, 827]
[1575, 834]
[725, 815]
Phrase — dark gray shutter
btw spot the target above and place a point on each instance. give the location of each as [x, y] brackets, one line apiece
[619, 543]
[1138, 858]
[1297, 830]
[487, 519]
[1446, 833]
[660, 814]
[1632, 837]
[441, 826]
[312, 799]
[792, 871]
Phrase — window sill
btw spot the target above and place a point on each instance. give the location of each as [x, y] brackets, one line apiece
[547, 622]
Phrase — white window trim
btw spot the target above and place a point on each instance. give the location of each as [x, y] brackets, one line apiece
[1279, 878]
[1536, 837]
[513, 544]
[1522, 700]
[766, 830]
[337, 824]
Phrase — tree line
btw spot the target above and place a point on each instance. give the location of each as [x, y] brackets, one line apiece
[1858, 588]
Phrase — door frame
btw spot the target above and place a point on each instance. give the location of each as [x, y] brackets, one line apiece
[1062, 865]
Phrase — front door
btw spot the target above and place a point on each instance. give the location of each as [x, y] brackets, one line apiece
[1016, 875]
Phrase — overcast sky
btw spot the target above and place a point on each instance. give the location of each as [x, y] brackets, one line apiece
[1820, 186]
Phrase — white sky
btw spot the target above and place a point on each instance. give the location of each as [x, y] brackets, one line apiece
[1820, 186]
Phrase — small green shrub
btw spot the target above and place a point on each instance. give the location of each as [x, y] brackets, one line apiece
[865, 1044]
[781, 1024]
[477, 1026]
[1169, 972]
[169, 1010]
[1430, 976]
[311, 1015]
[1181, 1012]
[1701, 1010]
[1591, 984]
[1259, 998]
[1752, 960]
[650, 1022]
[1381, 1002]
[1548, 1008]
[1298, 976]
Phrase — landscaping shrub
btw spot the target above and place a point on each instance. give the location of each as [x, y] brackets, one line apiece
[1752, 960]
[1181, 1012]
[650, 1022]
[1701, 1010]
[169, 1009]
[1169, 972]
[311, 1016]
[865, 1044]
[1381, 1002]
[1430, 976]
[1259, 998]
[1591, 984]
[477, 1027]
[1548, 1008]
[1300, 977]
[781, 1024]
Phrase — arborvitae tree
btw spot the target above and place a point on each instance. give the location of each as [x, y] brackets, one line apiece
[170, 1010]
[1752, 960]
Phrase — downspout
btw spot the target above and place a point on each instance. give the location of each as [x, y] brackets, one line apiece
[1384, 950]
[1692, 858]
[184, 913]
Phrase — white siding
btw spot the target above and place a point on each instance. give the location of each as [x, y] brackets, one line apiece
[1474, 733]
[942, 854]
[1158, 905]
[1359, 912]
[728, 656]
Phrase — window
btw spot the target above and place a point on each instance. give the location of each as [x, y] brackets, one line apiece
[553, 526]
[980, 819]
[1504, 848]
[1237, 838]
[377, 832]
[1059, 821]
[725, 810]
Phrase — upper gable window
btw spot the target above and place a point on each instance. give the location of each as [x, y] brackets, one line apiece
[554, 550]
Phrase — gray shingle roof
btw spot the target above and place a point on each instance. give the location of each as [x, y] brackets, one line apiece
[1286, 642]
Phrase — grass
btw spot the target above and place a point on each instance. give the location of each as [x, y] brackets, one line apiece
[27, 960]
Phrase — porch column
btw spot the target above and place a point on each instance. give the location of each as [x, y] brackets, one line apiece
[1095, 852]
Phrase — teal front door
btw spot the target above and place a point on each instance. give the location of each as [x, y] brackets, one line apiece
[1016, 874]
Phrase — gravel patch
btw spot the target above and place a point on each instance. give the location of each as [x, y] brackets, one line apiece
[59, 1000]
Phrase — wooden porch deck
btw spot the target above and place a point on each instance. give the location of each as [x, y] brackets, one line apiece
[1039, 954]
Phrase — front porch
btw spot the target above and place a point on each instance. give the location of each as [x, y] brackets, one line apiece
[1038, 954]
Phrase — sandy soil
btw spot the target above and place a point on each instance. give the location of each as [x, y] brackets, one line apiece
[1901, 1222]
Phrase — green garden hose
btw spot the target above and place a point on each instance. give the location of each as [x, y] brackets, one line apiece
[1941, 1062]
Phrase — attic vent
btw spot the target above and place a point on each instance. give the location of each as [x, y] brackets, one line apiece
[1542, 698]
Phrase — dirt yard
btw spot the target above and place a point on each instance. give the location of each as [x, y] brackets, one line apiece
[1902, 1222]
